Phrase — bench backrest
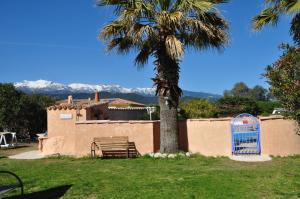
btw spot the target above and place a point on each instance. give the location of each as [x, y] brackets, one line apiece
[111, 143]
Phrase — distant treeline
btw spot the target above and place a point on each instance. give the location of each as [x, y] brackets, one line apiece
[240, 99]
[23, 113]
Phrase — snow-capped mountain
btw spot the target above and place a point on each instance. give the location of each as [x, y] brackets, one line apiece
[54, 88]
[44, 86]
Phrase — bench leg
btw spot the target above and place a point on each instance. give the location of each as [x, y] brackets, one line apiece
[22, 190]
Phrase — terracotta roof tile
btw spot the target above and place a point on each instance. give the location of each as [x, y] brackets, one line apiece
[86, 103]
[122, 102]
[77, 104]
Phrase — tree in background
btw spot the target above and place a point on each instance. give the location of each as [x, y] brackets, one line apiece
[259, 93]
[164, 29]
[284, 78]
[9, 107]
[198, 108]
[21, 113]
[267, 107]
[240, 89]
[274, 9]
[232, 106]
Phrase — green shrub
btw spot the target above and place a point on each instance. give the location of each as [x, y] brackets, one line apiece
[266, 107]
[232, 106]
[197, 108]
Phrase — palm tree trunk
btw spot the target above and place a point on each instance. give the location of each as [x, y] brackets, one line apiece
[168, 92]
[168, 127]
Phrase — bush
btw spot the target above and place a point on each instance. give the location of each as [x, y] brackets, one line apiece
[232, 106]
[266, 107]
[197, 108]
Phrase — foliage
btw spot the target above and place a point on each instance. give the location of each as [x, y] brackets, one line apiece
[197, 108]
[22, 113]
[231, 106]
[266, 107]
[259, 93]
[196, 177]
[274, 9]
[9, 107]
[240, 89]
[156, 114]
[284, 78]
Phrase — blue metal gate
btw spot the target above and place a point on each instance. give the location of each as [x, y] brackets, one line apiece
[245, 131]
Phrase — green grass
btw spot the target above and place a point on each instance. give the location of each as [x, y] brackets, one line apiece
[197, 177]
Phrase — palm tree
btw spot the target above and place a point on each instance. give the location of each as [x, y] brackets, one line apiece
[274, 9]
[163, 29]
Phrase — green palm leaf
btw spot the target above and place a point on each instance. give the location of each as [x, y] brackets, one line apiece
[276, 8]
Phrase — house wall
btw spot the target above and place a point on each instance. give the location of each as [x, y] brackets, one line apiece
[61, 132]
[209, 137]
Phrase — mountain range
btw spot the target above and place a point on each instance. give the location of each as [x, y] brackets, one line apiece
[79, 90]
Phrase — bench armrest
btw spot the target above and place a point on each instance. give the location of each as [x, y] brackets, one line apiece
[18, 179]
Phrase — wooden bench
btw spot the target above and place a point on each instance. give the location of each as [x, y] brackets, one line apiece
[117, 146]
[13, 182]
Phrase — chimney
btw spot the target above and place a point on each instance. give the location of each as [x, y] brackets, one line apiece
[70, 99]
[97, 97]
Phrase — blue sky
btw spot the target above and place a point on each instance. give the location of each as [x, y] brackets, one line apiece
[57, 40]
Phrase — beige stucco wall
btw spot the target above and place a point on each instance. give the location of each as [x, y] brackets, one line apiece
[141, 133]
[278, 137]
[210, 137]
[61, 132]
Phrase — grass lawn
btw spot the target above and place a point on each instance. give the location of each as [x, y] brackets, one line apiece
[197, 177]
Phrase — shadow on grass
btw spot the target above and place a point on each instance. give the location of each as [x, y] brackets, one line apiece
[53, 193]
[16, 147]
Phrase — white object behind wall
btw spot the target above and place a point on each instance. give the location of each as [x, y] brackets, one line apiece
[65, 116]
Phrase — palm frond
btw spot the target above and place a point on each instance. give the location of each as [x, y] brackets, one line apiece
[143, 55]
[114, 29]
[267, 16]
[174, 47]
[122, 45]
[294, 6]
[275, 8]
[206, 31]
[191, 5]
